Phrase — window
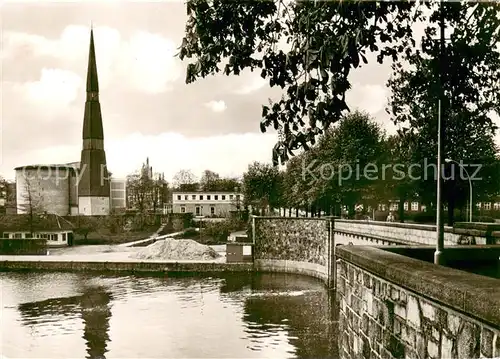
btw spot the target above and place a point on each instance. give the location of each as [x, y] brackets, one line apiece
[405, 206]
[186, 197]
[17, 235]
[230, 196]
[212, 210]
[496, 205]
[487, 206]
[237, 197]
[193, 197]
[5, 235]
[223, 197]
[201, 197]
[178, 198]
[216, 197]
[414, 206]
[183, 209]
[208, 197]
[197, 211]
[63, 237]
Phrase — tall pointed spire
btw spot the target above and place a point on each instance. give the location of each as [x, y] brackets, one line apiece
[93, 188]
[92, 83]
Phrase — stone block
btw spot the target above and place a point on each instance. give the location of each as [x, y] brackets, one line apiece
[394, 295]
[365, 323]
[421, 346]
[366, 349]
[413, 312]
[433, 349]
[400, 310]
[428, 310]
[397, 326]
[453, 325]
[487, 343]
[374, 331]
[446, 347]
[496, 346]
[468, 341]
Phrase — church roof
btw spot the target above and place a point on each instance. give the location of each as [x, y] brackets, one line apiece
[42, 222]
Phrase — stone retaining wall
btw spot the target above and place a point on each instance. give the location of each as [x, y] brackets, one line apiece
[293, 245]
[393, 306]
[401, 232]
[159, 267]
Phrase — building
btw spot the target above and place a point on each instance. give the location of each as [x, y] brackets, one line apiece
[118, 194]
[217, 204]
[77, 188]
[57, 230]
[147, 190]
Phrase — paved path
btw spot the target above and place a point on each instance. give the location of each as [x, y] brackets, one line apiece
[150, 238]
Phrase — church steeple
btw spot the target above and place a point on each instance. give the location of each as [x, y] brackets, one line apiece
[93, 188]
[92, 82]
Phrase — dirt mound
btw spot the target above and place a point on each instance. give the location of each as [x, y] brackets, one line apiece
[176, 249]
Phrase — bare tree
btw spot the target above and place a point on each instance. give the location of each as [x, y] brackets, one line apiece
[32, 203]
[185, 180]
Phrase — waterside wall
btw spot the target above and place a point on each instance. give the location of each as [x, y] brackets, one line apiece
[394, 306]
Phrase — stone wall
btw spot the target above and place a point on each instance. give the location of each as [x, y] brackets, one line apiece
[399, 232]
[293, 245]
[392, 306]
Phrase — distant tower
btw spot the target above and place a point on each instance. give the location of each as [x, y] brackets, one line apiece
[93, 188]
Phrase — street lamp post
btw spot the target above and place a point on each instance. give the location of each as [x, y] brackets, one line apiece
[448, 160]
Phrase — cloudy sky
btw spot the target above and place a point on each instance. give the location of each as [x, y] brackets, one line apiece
[148, 110]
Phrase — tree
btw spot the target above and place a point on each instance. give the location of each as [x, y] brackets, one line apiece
[185, 180]
[140, 187]
[261, 186]
[209, 181]
[228, 185]
[32, 203]
[467, 79]
[326, 40]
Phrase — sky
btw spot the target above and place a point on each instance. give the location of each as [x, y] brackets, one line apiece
[148, 110]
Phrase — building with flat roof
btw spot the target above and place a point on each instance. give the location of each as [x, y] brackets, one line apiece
[215, 204]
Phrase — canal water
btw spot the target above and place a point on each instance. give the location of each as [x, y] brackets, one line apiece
[70, 315]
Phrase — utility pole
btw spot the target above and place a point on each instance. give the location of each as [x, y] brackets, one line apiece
[438, 254]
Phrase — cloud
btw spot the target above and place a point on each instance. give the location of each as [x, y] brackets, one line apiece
[217, 106]
[167, 152]
[55, 88]
[255, 84]
[143, 62]
[370, 98]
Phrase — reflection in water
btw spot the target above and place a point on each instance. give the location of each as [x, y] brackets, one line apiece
[93, 306]
[231, 316]
[96, 312]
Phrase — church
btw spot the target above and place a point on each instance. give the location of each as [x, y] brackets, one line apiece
[77, 188]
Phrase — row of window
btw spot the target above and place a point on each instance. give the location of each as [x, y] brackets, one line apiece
[198, 210]
[48, 236]
[209, 197]
[487, 206]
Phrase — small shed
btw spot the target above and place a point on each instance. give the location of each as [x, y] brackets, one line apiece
[55, 229]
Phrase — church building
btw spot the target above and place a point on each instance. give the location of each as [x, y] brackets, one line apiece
[77, 188]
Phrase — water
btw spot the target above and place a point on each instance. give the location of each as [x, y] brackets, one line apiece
[68, 315]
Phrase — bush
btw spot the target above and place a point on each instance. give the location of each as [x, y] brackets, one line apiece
[219, 231]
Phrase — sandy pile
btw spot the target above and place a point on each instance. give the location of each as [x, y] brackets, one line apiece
[176, 249]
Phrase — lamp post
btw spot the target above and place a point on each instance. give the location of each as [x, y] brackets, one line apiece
[448, 160]
[438, 254]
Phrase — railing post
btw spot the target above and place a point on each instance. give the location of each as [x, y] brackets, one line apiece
[332, 268]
